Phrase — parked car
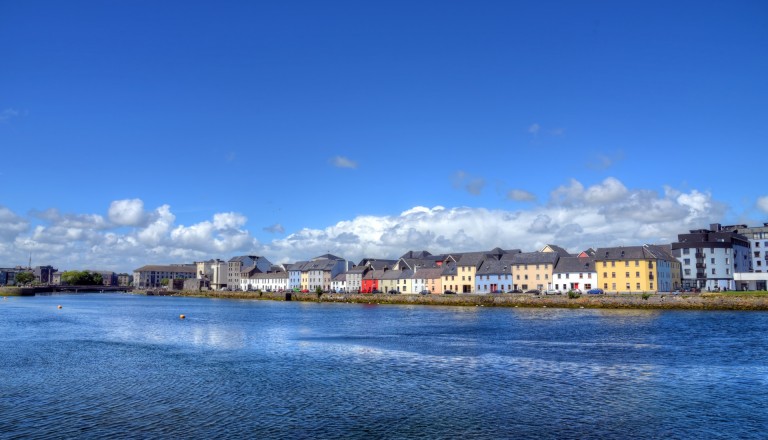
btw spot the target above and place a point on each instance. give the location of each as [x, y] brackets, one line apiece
[376, 291]
[449, 292]
[595, 291]
[551, 292]
[393, 292]
[424, 292]
[534, 291]
[516, 291]
[497, 291]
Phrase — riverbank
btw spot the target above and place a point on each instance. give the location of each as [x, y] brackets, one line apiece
[705, 301]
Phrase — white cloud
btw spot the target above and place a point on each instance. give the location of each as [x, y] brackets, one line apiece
[576, 217]
[128, 212]
[762, 204]
[520, 195]
[534, 129]
[343, 162]
[11, 225]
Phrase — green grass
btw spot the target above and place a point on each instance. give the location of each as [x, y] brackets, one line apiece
[738, 293]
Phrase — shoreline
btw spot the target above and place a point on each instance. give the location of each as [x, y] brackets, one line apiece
[704, 301]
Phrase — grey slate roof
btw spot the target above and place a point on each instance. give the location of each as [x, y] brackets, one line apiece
[493, 267]
[560, 251]
[327, 257]
[428, 273]
[575, 264]
[535, 258]
[375, 274]
[449, 269]
[340, 277]
[416, 255]
[645, 252]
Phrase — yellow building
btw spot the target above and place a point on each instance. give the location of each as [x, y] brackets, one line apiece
[533, 270]
[645, 268]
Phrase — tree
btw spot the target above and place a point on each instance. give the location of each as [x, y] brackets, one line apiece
[164, 282]
[82, 278]
[24, 277]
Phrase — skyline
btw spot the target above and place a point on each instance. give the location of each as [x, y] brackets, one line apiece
[140, 133]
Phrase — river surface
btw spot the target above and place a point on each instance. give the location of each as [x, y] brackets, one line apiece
[127, 366]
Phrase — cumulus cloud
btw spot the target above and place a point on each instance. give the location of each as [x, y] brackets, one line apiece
[762, 204]
[343, 162]
[128, 212]
[576, 217]
[520, 195]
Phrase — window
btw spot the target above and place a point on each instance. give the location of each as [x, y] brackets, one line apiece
[581, 275]
[637, 263]
[686, 251]
[628, 288]
[713, 271]
[687, 261]
[613, 274]
[638, 286]
[559, 276]
[687, 272]
[727, 261]
[605, 274]
[626, 274]
[727, 271]
[637, 274]
[604, 263]
[566, 276]
[626, 263]
[712, 260]
[538, 277]
[613, 264]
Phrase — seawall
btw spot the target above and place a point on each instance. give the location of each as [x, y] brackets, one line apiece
[706, 301]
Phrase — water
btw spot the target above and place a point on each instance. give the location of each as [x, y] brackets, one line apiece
[124, 366]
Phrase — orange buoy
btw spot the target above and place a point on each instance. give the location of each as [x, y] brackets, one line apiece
[182, 316]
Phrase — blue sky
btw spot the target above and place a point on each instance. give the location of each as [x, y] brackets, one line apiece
[142, 132]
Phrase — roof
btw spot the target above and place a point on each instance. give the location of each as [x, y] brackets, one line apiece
[358, 270]
[535, 258]
[320, 264]
[391, 275]
[340, 277]
[472, 259]
[493, 267]
[375, 274]
[327, 257]
[449, 269]
[264, 276]
[645, 252]
[575, 264]
[557, 249]
[295, 266]
[416, 254]
[428, 273]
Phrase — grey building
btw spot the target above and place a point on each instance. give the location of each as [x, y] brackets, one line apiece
[710, 257]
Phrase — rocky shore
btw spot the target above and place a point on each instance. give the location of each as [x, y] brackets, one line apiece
[705, 301]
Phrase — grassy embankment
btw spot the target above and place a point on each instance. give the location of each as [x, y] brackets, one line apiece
[705, 301]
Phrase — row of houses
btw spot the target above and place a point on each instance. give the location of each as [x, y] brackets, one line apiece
[718, 258]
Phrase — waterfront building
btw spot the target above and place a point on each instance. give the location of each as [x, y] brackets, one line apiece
[319, 271]
[428, 278]
[354, 278]
[44, 274]
[710, 257]
[150, 276]
[294, 275]
[123, 279]
[405, 282]
[646, 268]
[339, 283]
[448, 276]
[493, 276]
[372, 280]
[272, 281]
[575, 273]
[533, 270]
[390, 280]
[758, 245]
[215, 271]
[236, 265]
